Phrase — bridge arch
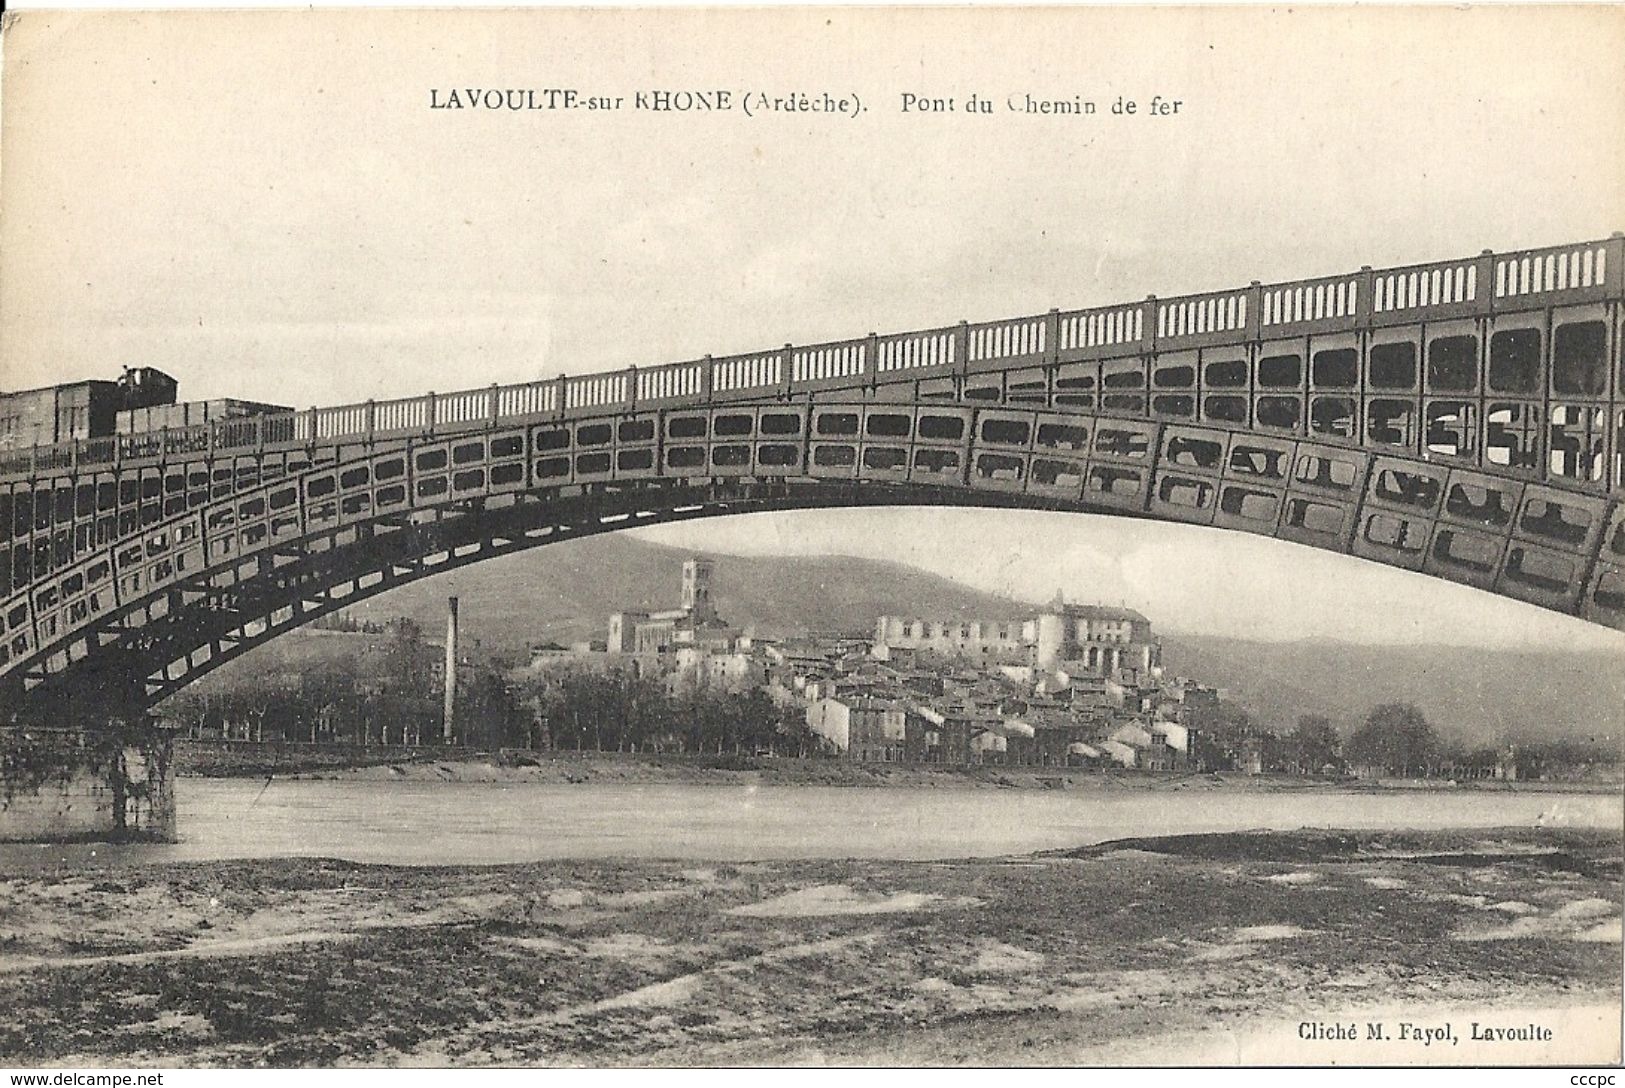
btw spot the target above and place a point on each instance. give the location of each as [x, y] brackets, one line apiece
[174, 646]
[1464, 420]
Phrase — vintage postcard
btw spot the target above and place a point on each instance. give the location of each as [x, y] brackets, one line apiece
[704, 537]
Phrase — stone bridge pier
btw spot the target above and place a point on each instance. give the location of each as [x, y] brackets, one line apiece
[87, 775]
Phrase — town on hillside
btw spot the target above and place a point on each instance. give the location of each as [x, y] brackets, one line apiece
[1066, 685]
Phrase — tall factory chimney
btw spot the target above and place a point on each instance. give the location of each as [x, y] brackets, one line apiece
[451, 666]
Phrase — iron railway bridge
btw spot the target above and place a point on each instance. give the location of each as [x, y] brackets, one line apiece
[1465, 419]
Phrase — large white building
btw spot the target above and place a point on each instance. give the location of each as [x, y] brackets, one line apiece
[1081, 638]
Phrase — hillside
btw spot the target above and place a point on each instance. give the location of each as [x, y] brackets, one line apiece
[565, 592]
[1465, 692]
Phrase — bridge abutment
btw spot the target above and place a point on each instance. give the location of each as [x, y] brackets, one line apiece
[112, 780]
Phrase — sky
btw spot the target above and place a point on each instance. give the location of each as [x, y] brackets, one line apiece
[266, 206]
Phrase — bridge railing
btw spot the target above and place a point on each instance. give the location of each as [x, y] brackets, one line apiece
[1440, 289]
[932, 349]
[1006, 342]
[278, 428]
[184, 440]
[55, 458]
[1479, 285]
[677, 382]
[754, 371]
[98, 451]
[136, 447]
[589, 391]
[1325, 301]
[236, 434]
[337, 422]
[406, 414]
[1590, 268]
[1103, 330]
[471, 406]
[818, 365]
[1191, 320]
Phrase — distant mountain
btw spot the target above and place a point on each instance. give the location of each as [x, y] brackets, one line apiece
[565, 592]
[1467, 693]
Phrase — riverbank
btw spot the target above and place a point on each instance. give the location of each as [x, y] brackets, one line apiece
[1143, 950]
[300, 761]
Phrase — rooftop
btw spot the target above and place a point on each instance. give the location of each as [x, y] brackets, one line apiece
[1103, 612]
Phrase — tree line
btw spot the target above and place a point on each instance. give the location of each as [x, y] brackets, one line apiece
[1393, 739]
[398, 702]
[619, 711]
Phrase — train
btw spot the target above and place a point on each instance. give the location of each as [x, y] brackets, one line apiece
[140, 399]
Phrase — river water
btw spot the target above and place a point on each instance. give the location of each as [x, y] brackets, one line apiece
[450, 823]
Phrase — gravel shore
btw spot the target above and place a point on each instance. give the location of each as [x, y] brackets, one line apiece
[1195, 948]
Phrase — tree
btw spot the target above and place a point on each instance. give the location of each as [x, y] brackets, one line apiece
[190, 708]
[1395, 737]
[1222, 729]
[1317, 742]
[407, 655]
[795, 736]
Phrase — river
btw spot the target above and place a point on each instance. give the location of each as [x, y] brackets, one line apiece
[449, 823]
